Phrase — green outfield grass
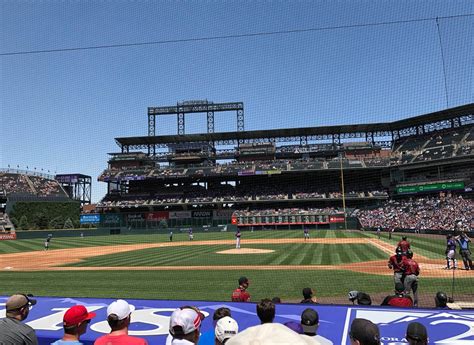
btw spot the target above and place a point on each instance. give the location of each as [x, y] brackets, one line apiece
[210, 285]
[218, 284]
[284, 254]
[431, 246]
[112, 240]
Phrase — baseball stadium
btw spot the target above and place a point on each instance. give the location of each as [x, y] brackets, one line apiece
[321, 207]
[216, 206]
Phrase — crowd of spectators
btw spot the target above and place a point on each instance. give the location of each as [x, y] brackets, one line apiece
[287, 212]
[185, 323]
[433, 213]
[231, 194]
[14, 183]
[46, 187]
[434, 146]
[29, 184]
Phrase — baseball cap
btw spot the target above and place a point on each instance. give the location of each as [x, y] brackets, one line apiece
[441, 298]
[243, 280]
[121, 308]
[307, 292]
[309, 320]
[363, 299]
[399, 287]
[417, 331]
[353, 295]
[226, 328]
[365, 332]
[76, 315]
[18, 301]
[185, 320]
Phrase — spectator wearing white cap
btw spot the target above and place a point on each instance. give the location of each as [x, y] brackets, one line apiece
[208, 338]
[185, 325]
[12, 331]
[118, 317]
[225, 329]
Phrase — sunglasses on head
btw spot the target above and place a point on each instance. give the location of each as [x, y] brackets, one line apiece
[28, 303]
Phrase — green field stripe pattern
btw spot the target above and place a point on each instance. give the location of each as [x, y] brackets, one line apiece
[206, 255]
[211, 285]
[431, 247]
[16, 246]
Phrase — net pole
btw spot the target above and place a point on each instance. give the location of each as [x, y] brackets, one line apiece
[343, 193]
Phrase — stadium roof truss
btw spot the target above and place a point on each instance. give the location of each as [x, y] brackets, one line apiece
[381, 134]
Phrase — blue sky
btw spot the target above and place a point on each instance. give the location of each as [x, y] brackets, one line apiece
[61, 111]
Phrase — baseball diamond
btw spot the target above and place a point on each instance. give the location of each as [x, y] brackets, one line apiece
[355, 259]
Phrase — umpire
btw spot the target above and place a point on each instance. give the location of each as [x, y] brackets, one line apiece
[463, 241]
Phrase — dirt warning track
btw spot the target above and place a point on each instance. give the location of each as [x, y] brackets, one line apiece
[52, 260]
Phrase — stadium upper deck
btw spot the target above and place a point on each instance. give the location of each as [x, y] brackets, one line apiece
[289, 165]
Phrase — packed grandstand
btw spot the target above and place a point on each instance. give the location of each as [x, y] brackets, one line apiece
[411, 174]
[371, 172]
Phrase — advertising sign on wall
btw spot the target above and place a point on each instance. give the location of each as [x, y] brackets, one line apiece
[180, 214]
[135, 217]
[222, 214]
[202, 214]
[92, 218]
[158, 215]
[4, 237]
[111, 219]
[430, 187]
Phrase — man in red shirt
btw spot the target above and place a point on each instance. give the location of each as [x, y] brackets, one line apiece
[395, 262]
[118, 318]
[403, 245]
[241, 294]
[411, 272]
[399, 299]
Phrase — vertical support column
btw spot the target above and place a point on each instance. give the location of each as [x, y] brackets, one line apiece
[180, 122]
[151, 125]
[240, 120]
[210, 122]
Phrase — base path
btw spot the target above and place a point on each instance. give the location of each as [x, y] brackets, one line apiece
[52, 260]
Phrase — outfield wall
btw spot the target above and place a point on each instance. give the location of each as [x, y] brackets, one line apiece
[151, 318]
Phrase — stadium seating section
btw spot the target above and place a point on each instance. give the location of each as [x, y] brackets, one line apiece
[29, 184]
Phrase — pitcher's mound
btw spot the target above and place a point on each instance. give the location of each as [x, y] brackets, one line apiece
[246, 251]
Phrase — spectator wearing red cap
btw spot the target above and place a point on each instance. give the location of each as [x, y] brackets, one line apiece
[75, 323]
[119, 317]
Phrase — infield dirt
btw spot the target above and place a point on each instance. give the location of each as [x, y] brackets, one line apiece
[52, 260]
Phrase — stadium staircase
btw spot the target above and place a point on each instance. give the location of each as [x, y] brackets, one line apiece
[463, 139]
[30, 183]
